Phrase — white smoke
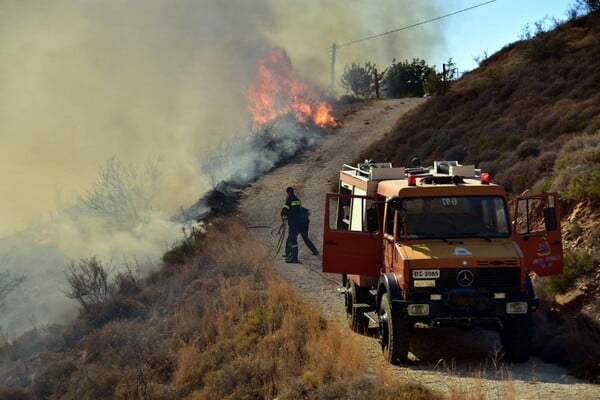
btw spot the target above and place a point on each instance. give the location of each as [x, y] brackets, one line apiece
[84, 82]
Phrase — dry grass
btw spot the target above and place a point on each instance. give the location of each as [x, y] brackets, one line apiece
[222, 325]
[215, 327]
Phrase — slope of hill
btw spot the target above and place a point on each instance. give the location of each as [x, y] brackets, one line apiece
[514, 113]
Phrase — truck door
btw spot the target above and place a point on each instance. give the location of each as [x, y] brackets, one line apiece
[537, 231]
[352, 237]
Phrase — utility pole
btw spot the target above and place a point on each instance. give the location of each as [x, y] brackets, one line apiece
[444, 79]
[333, 51]
[376, 84]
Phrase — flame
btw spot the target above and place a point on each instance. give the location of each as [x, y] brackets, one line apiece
[276, 92]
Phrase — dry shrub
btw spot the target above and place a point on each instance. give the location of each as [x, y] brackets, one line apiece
[194, 309]
[53, 379]
[408, 391]
[192, 243]
[188, 359]
[125, 355]
[232, 251]
[331, 357]
[30, 343]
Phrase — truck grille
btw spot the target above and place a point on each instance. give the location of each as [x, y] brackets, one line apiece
[483, 280]
[492, 279]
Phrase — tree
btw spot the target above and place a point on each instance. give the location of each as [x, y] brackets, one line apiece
[589, 5]
[432, 84]
[360, 80]
[88, 283]
[122, 193]
[404, 79]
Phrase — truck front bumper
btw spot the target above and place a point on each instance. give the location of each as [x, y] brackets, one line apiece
[464, 312]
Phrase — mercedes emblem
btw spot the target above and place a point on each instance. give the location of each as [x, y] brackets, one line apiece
[465, 278]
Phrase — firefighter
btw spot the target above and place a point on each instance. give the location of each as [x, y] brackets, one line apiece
[304, 224]
[291, 213]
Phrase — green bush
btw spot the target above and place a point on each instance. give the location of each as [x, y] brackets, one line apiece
[404, 79]
[576, 264]
[361, 80]
[577, 169]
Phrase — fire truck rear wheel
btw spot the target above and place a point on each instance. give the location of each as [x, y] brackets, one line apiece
[516, 338]
[393, 333]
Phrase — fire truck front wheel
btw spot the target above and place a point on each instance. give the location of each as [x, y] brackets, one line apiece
[516, 338]
[393, 332]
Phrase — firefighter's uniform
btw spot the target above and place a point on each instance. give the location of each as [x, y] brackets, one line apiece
[291, 213]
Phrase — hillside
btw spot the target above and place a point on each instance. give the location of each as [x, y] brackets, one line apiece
[518, 115]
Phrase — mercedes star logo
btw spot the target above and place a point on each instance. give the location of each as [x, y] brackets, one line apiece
[465, 278]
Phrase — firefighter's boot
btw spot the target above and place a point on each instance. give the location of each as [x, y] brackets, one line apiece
[293, 255]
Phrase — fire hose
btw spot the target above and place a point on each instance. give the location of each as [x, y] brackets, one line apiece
[281, 233]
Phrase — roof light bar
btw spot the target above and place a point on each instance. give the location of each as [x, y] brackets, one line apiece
[485, 178]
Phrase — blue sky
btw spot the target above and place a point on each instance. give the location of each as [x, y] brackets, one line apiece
[489, 28]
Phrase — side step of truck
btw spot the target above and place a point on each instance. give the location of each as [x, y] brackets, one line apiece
[372, 316]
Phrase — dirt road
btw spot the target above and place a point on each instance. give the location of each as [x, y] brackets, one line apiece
[449, 361]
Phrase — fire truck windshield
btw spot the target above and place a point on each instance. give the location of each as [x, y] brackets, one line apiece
[450, 217]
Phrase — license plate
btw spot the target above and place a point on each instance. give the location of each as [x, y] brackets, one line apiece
[425, 273]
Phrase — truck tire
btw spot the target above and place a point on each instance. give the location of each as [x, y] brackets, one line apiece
[393, 333]
[357, 320]
[516, 338]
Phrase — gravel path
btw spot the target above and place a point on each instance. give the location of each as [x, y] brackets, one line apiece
[459, 362]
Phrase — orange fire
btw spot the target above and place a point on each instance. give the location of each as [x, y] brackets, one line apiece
[276, 92]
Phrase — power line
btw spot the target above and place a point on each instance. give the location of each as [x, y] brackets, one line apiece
[416, 24]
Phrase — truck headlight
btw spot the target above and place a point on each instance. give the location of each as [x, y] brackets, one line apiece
[516, 307]
[418, 309]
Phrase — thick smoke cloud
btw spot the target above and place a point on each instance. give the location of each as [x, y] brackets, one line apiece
[146, 82]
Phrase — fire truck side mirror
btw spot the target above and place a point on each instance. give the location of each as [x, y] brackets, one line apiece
[372, 224]
[549, 219]
[396, 203]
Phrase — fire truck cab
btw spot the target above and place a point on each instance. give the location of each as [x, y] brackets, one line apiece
[435, 246]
